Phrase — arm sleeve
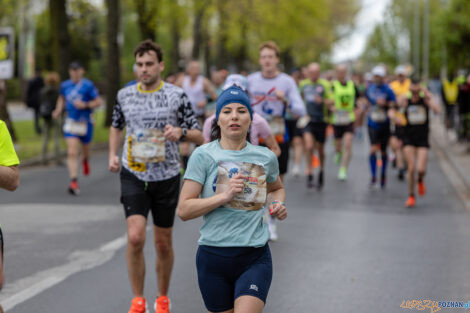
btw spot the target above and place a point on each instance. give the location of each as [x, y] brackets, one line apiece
[196, 169]
[296, 104]
[118, 121]
[186, 117]
[273, 168]
[8, 155]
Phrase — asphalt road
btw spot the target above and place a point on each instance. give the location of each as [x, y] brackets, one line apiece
[344, 249]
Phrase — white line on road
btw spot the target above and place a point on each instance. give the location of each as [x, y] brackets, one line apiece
[26, 288]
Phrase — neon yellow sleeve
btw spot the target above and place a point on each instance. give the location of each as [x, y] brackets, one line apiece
[8, 155]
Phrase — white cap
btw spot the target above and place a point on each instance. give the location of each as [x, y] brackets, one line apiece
[236, 79]
[379, 70]
[401, 70]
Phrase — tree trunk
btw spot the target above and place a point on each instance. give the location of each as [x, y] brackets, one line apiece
[4, 116]
[60, 39]
[198, 29]
[222, 53]
[147, 15]
[113, 70]
[175, 43]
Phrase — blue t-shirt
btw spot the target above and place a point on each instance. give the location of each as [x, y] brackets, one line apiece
[375, 92]
[226, 226]
[83, 90]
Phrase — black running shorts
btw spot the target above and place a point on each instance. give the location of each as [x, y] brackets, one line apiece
[160, 197]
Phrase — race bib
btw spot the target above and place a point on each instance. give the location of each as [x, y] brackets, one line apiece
[75, 127]
[416, 115]
[303, 121]
[277, 125]
[342, 118]
[378, 115]
[148, 146]
[253, 196]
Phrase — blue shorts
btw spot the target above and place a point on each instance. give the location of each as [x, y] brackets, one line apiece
[84, 139]
[224, 274]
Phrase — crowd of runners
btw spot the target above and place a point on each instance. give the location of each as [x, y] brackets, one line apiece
[228, 140]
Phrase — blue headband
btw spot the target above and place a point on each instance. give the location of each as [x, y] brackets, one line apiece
[232, 94]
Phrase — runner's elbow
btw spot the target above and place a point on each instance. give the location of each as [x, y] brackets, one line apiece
[182, 212]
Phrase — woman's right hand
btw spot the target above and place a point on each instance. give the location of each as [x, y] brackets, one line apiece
[236, 184]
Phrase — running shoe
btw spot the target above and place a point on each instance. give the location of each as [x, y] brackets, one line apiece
[401, 174]
[296, 171]
[320, 181]
[162, 305]
[73, 188]
[421, 189]
[342, 174]
[139, 305]
[86, 167]
[337, 158]
[310, 183]
[373, 183]
[383, 182]
[272, 231]
[411, 202]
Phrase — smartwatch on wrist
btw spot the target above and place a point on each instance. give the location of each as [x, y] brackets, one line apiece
[184, 133]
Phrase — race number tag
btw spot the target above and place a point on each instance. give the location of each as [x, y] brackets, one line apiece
[342, 118]
[253, 196]
[416, 115]
[378, 115]
[148, 146]
[277, 125]
[75, 127]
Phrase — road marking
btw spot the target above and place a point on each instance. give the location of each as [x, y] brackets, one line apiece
[26, 288]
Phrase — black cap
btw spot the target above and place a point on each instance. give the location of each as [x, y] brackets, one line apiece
[75, 65]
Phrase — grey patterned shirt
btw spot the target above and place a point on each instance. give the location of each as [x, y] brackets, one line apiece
[138, 110]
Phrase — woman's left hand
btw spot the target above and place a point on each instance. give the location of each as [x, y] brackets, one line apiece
[278, 210]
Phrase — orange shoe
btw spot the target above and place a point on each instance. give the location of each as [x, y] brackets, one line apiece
[421, 189]
[162, 305]
[411, 202]
[139, 305]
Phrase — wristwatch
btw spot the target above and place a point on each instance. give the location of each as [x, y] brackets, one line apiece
[184, 133]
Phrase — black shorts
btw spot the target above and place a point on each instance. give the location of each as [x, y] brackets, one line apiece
[340, 130]
[283, 158]
[317, 129]
[224, 274]
[399, 132]
[292, 129]
[380, 136]
[139, 197]
[416, 140]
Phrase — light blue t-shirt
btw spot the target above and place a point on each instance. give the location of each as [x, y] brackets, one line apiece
[226, 226]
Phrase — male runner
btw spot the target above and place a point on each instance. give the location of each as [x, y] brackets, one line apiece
[381, 100]
[345, 95]
[272, 93]
[9, 175]
[157, 116]
[316, 92]
[401, 88]
[78, 96]
[416, 136]
[196, 87]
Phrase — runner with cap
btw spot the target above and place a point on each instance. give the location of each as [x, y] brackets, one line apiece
[228, 181]
[78, 97]
[381, 99]
[401, 88]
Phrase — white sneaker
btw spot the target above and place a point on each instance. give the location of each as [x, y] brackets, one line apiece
[272, 231]
[296, 171]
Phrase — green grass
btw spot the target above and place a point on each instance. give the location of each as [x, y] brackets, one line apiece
[29, 144]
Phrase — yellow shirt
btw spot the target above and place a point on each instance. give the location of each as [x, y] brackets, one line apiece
[400, 89]
[8, 155]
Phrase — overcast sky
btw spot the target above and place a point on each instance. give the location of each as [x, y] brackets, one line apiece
[372, 12]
